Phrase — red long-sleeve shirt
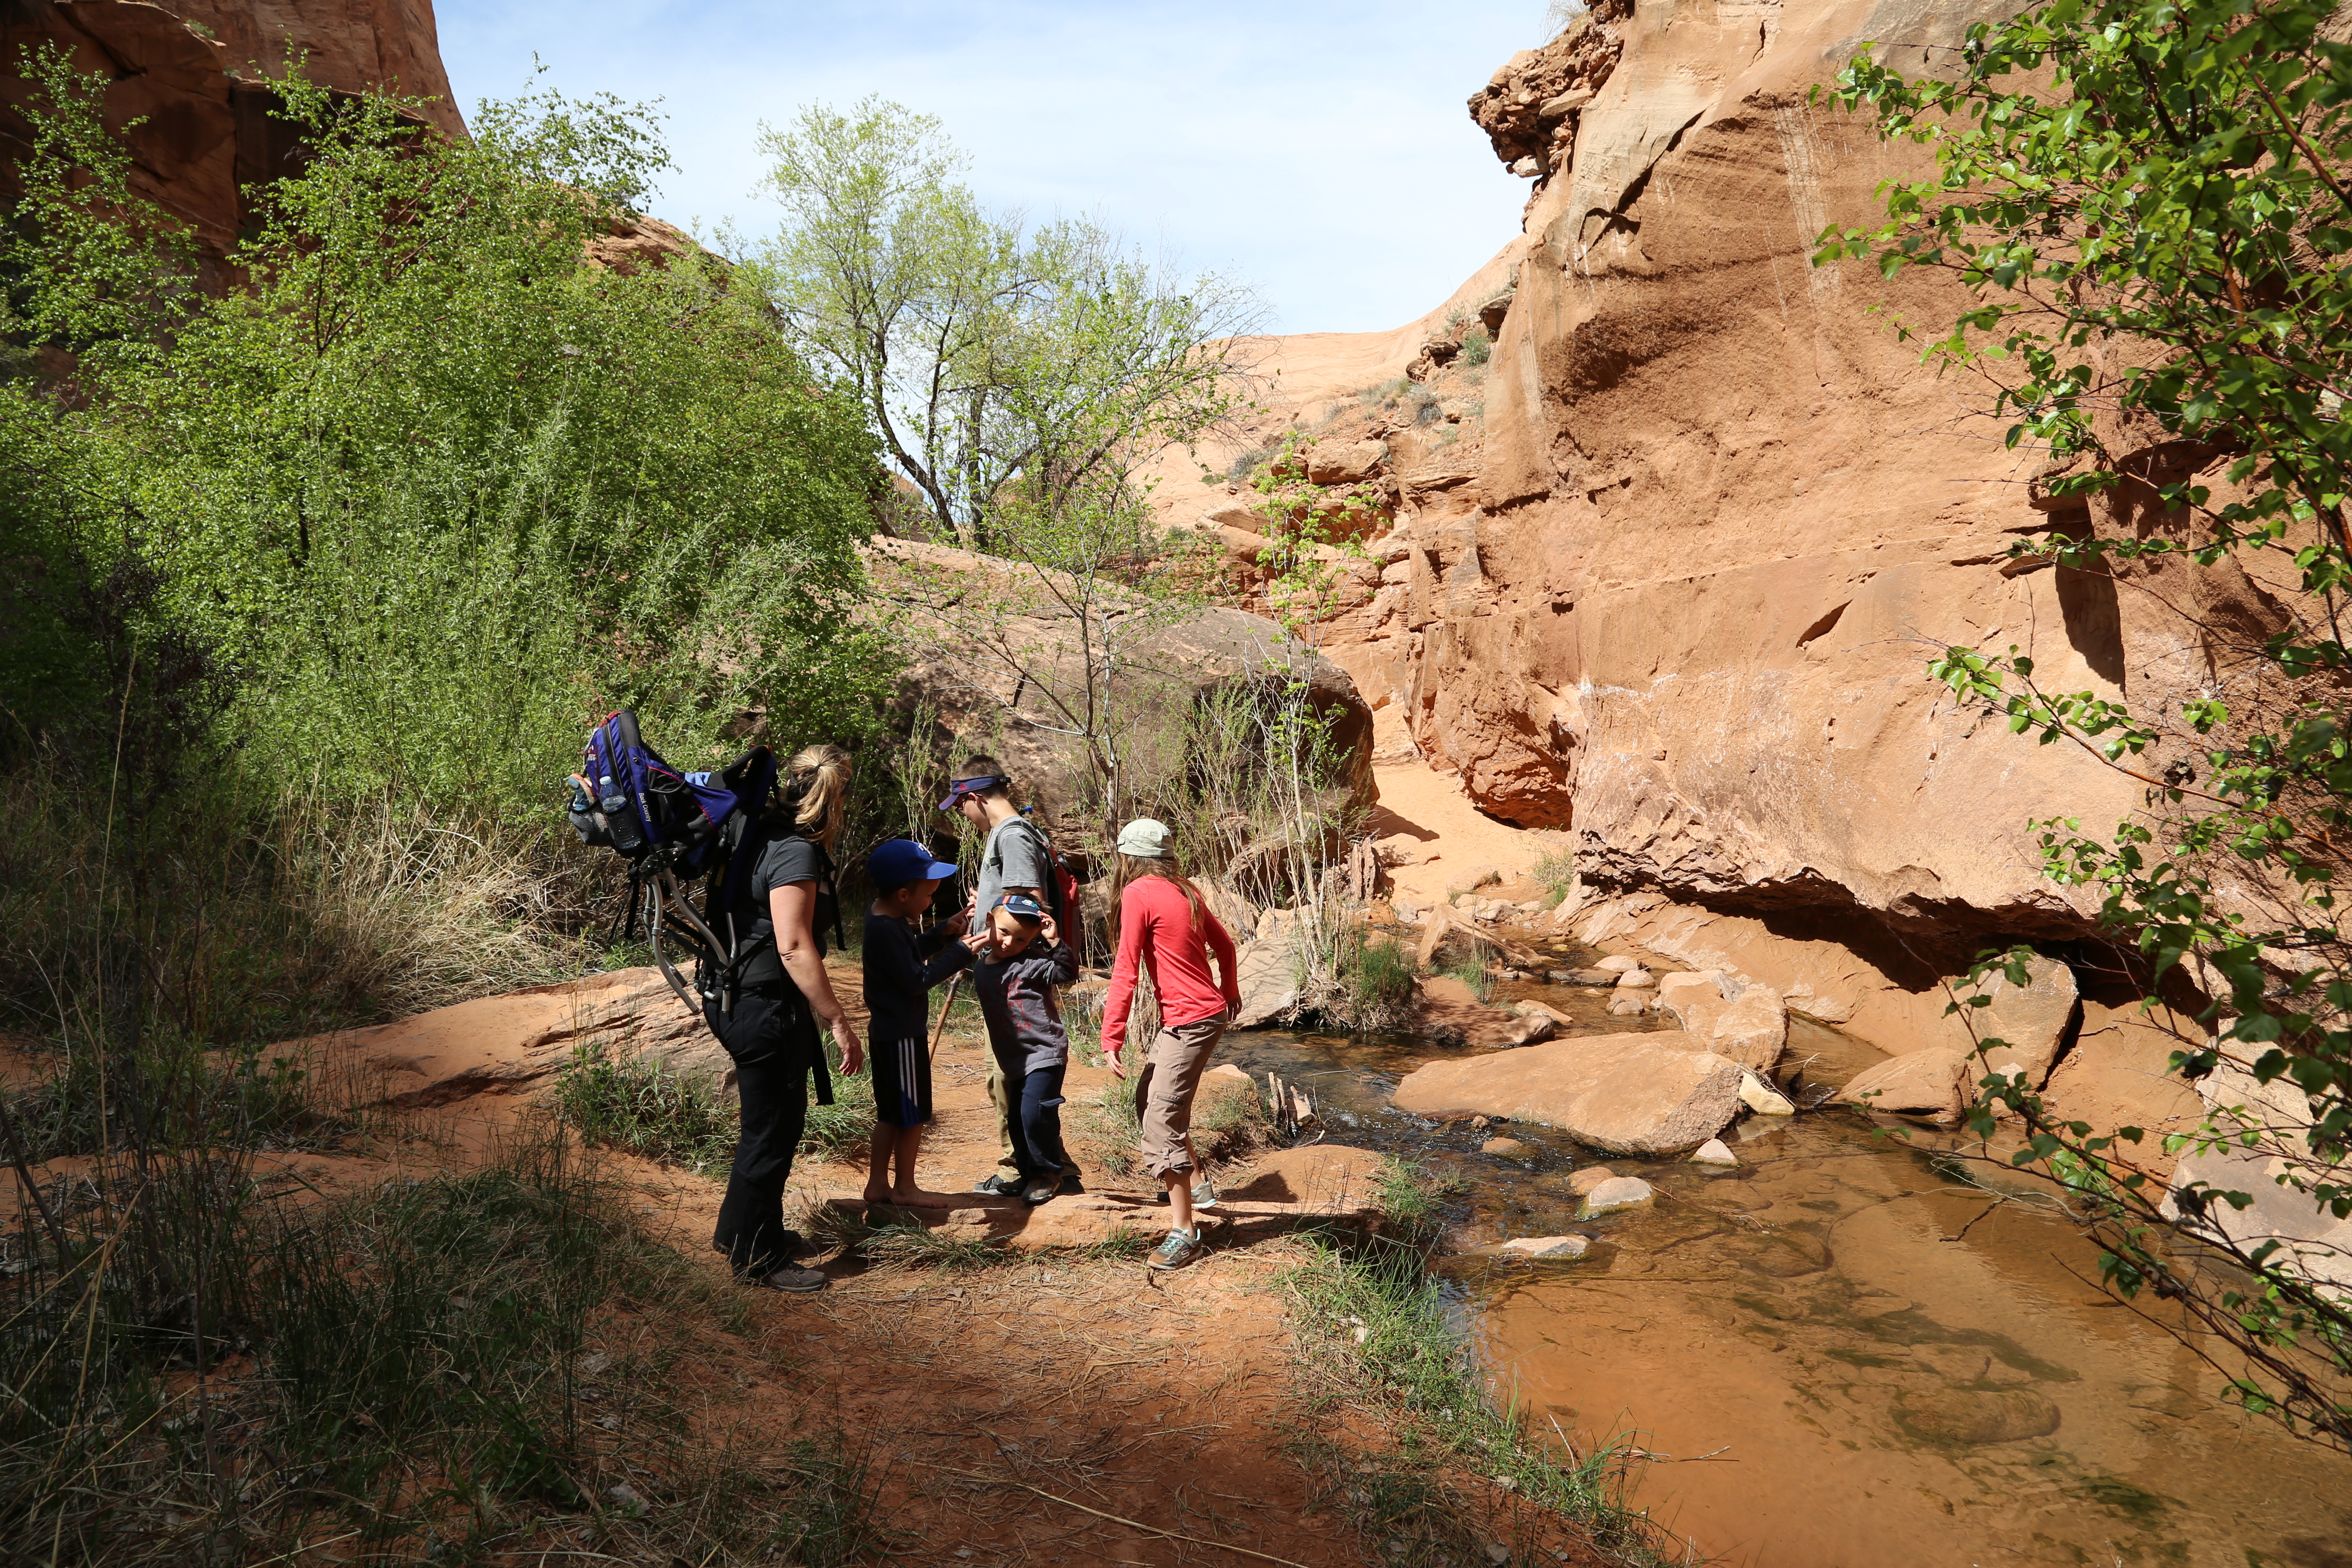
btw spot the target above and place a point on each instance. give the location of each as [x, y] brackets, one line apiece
[1155, 927]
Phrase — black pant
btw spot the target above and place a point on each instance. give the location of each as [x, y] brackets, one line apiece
[772, 1038]
[1035, 1098]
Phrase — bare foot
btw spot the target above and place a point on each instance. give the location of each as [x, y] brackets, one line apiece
[873, 1194]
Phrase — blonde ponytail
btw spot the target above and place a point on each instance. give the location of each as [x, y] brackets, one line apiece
[815, 792]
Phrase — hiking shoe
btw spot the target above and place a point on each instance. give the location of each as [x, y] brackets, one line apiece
[998, 1186]
[1180, 1248]
[1041, 1190]
[788, 1276]
[1205, 1195]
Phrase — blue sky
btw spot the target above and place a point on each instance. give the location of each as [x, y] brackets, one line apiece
[1317, 150]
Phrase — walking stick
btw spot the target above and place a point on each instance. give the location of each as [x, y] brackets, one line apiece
[945, 1008]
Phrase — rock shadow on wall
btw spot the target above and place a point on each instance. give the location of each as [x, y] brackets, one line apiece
[2095, 624]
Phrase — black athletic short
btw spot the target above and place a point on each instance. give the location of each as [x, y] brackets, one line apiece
[902, 1082]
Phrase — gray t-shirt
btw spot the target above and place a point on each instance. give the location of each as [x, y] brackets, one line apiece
[1014, 856]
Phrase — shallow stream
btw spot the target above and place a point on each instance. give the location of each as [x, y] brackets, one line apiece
[1844, 1353]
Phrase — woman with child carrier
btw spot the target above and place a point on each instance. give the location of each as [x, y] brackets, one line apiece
[780, 913]
[1164, 926]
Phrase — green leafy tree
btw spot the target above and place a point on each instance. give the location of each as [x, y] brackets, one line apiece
[1018, 378]
[2152, 206]
[438, 486]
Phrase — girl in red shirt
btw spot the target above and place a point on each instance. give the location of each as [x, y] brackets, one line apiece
[1164, 926]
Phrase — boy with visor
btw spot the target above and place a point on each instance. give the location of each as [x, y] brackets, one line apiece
[1012, 860]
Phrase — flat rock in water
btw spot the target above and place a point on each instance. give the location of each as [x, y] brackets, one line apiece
[1585, 976]
[1715, 1151]
[1617, 964]
[1550, 1247]
[1618, 1193]
[1629, 1005]
[1636, 980]
[1591, 1176]
[1971, 1418]
[1629, 1094]
[1508, 1148]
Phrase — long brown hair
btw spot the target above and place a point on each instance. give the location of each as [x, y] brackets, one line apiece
[813, 796]
[1131, 867]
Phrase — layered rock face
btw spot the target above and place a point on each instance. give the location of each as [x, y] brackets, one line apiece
[1680, 598]
[197, 72]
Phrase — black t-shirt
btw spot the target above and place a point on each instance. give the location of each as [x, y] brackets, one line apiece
[783, 859]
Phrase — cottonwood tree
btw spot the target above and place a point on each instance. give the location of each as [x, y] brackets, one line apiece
[1020, 377]
[2152, 206]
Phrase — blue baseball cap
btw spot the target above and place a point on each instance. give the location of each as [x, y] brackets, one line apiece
[899, 861]
[1022, 907]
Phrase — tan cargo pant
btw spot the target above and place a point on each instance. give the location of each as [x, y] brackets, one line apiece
[1164, 1090]
[1006, 1165]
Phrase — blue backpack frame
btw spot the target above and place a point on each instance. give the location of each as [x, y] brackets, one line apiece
[672, 827]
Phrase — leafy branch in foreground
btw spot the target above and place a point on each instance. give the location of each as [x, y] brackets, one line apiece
[2150, 209]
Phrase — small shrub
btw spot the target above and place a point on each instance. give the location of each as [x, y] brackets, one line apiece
[1478, 346]
[1427, 409]
[1107, 1128]
[636, 1106]
[1556, 869]
[1376, 980]
[1245, 463]
[844, 1125]
[1471, 970]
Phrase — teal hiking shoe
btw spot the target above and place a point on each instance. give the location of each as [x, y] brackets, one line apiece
[1182, 1247]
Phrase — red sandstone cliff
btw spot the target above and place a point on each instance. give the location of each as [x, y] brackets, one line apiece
[197, 72]
[1674, 587]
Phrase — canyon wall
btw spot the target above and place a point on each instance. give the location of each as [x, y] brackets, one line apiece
[1720, 517]
[196, 73]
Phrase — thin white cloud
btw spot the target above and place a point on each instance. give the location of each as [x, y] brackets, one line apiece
[1320, 152]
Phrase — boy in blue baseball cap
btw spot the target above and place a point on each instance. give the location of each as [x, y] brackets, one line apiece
[901, 967]
[1021, 960]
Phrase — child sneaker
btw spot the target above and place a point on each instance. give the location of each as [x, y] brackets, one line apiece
[1204, 1194]
[1180, 1248]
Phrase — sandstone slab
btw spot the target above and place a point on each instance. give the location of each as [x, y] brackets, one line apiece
[1921, 1083]
[1583, 1182]
[1547, 1248]
[1629, 1094]
[1268, 980]
[2032, 1020]
[1751, 1029]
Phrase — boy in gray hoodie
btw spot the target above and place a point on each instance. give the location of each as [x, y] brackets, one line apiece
[1022, 959]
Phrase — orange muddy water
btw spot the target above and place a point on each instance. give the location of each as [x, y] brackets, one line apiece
[1845, 1352]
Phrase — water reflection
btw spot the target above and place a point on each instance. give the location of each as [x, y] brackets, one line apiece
[1846, 1354]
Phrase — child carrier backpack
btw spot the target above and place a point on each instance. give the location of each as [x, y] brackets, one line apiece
[671, 827]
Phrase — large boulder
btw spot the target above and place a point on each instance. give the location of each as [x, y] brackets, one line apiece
[1750, 1027]
[1268, 978]
[1344, 462]
[1629, 1094]
[991, 643]
[2032, 1020]
[1920, 1083]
